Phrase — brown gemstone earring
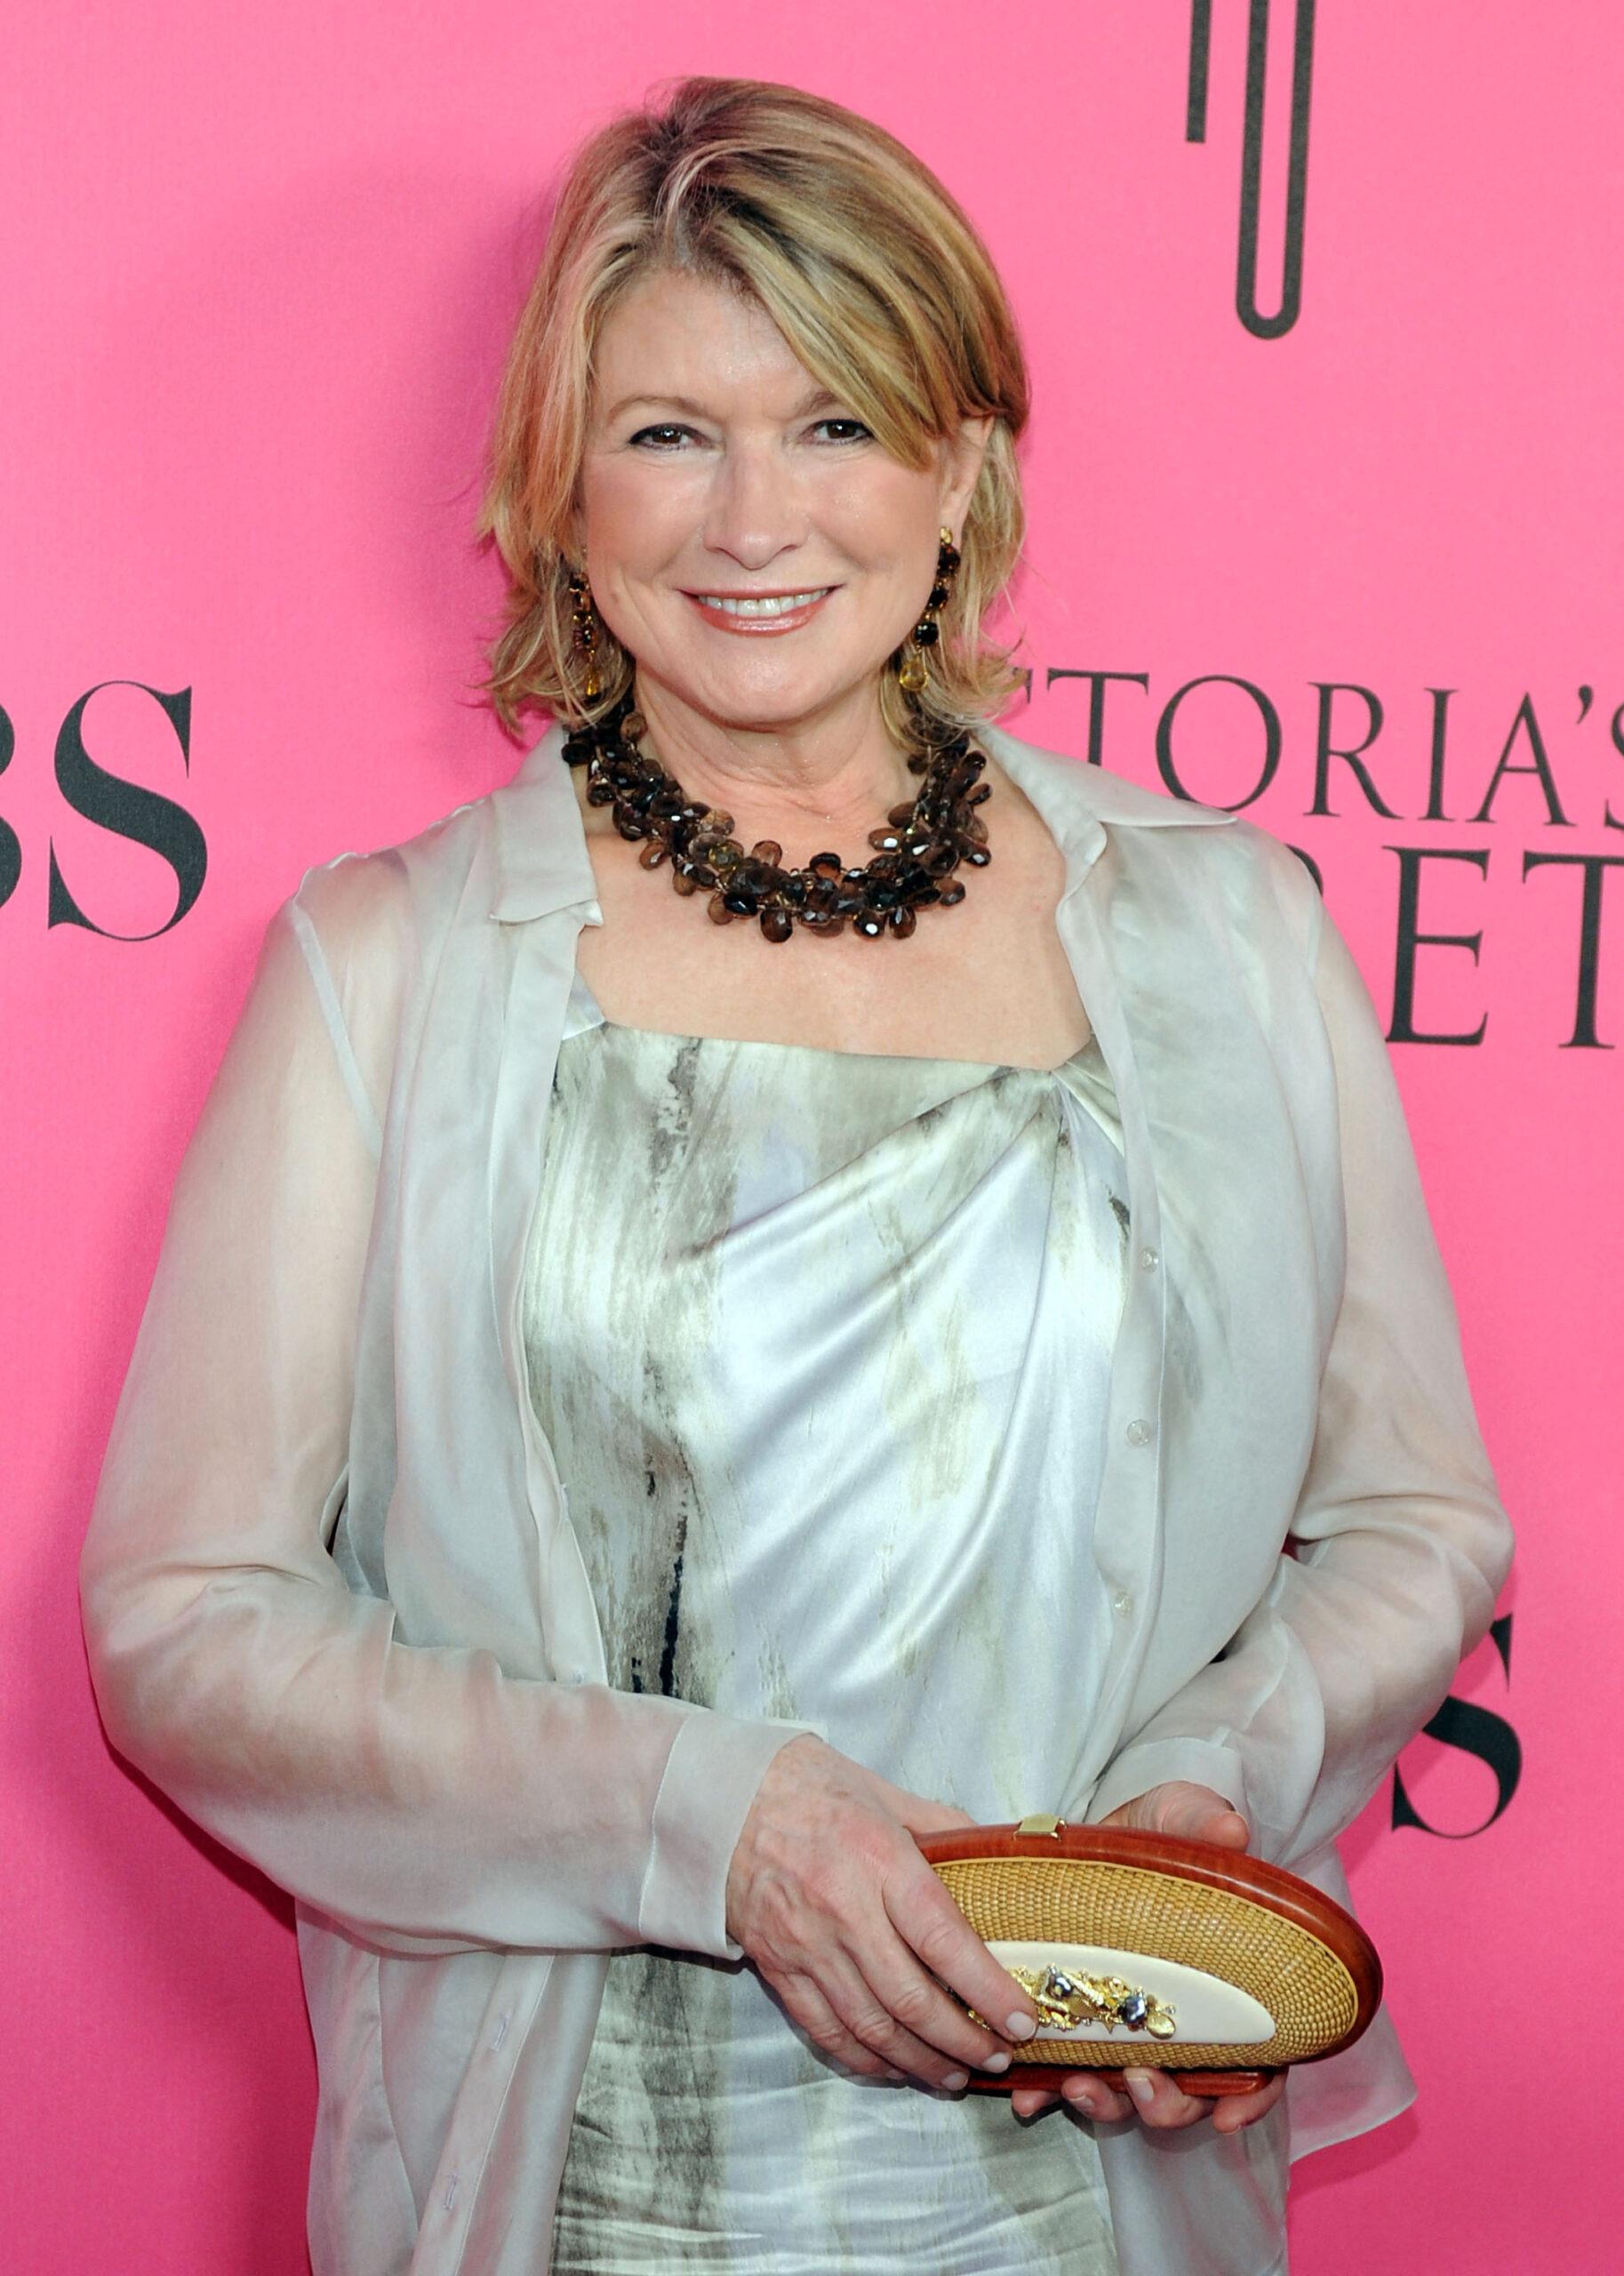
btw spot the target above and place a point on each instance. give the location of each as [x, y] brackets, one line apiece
[927, 632]
[586, 637]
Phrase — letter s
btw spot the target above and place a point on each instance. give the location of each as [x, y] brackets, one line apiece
[1474, 1731]
[128, 811]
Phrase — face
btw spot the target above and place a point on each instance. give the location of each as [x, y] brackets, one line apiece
[743, 533]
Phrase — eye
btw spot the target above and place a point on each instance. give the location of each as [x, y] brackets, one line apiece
[664, 433]
[857, 432]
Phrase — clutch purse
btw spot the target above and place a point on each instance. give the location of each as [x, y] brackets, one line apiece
[1139, 1950]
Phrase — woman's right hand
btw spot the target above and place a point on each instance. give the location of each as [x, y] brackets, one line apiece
[836, 1908]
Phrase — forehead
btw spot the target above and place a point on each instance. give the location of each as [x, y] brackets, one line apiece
[676, 334]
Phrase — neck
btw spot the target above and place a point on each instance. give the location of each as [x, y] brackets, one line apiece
[832, 779]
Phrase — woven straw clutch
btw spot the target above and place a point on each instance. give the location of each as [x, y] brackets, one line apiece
[1139, 1950]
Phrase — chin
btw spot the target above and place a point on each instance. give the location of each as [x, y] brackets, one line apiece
[763, 698]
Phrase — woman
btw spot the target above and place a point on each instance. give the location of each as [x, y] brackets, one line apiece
[638, 1416]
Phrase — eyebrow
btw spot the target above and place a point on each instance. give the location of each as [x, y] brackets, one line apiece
[815, 401]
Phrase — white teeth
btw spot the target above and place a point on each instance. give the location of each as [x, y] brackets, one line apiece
[780, 607]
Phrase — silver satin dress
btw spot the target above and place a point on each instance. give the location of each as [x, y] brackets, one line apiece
[820, 1340]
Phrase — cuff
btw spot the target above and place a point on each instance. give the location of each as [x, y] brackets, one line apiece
[712, 1773]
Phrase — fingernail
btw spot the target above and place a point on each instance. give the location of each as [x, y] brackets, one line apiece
[997, 2063]
[955, 2082]
[1020, 2027]
[1140, 2087]
[899, 2078]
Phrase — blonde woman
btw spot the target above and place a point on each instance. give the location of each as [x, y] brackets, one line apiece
[805, 1271]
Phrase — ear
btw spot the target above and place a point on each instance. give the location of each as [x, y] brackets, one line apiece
[962, 456]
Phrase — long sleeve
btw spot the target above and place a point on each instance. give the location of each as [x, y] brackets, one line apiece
[1398, 1544]
[424, 1796]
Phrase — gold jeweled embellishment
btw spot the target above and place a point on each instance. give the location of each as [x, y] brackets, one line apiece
[1065, 2000]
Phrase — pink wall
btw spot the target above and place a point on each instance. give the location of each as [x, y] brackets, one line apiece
[252, 328]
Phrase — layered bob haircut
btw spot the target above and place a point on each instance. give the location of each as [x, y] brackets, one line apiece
[877, 279]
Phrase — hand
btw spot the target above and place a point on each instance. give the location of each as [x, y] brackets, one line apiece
[833, 1904]
[1195, 1813]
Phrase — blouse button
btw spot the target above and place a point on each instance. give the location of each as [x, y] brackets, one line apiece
[1138, 1433]
[1122, 1604]
[1149, 1258]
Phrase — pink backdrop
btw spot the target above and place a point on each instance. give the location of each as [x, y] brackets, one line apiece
[258, 273]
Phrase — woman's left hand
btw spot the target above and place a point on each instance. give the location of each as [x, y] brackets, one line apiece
[1194, 1814]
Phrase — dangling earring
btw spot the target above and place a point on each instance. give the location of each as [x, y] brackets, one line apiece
[586, 637]
[927, 632]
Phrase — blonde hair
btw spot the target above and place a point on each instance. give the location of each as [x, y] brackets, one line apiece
[876, 277]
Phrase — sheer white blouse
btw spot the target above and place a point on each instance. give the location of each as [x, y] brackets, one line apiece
[335, 1606]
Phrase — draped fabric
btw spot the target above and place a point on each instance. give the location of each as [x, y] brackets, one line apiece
[821, 1343]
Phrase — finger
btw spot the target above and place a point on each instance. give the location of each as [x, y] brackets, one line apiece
[1091, 2097]
[1026, 2102]
[867, 2011]
[930, 1925]
[1235, 2110]
[1159, 2103]
[805, 2004]
[1194, 1820]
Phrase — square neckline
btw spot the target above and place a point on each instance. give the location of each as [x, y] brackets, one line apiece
[592, 1014]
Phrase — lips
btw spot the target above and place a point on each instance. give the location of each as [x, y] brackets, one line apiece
[755, 613]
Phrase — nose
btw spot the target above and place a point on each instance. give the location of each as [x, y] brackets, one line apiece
[756, 511]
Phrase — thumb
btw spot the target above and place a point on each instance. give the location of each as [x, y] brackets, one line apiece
[1189, 1812]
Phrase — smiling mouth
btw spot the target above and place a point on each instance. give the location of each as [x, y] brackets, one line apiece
[762, 608]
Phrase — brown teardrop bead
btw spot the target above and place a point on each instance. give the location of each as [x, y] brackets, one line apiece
[912, 855]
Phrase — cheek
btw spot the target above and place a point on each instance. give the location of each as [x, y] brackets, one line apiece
[635, 516]
[886, 517]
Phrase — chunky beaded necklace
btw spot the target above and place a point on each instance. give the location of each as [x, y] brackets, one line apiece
[916, 856]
